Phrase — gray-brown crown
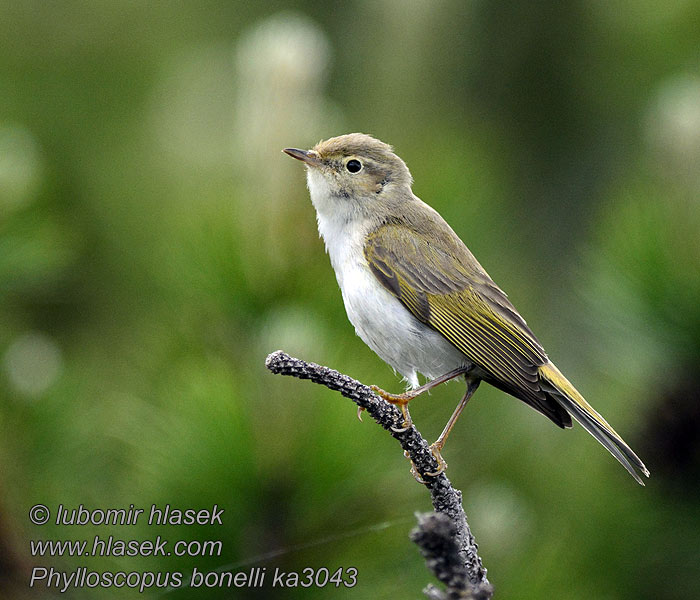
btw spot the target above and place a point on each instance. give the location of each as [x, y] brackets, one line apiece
[366, 146]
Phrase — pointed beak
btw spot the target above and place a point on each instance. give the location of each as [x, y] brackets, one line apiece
[307, 156]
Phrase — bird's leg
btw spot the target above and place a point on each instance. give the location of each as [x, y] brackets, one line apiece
[438, 445]
[410, 394]
[402, 400]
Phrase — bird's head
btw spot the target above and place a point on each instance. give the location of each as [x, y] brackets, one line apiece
[354, 172]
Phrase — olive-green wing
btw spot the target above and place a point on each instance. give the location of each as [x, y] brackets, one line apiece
[436, 277]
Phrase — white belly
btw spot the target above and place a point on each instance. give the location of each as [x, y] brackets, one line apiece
[389, 329]
[379, 318]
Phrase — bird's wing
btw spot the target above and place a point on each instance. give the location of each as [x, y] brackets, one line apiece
[441, 283]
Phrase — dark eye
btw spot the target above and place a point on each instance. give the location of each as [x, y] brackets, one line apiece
[353, 166]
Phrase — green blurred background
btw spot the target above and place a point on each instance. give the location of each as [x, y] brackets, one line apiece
[156, 245]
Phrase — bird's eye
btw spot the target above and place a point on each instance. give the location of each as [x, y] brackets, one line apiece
[353, 166]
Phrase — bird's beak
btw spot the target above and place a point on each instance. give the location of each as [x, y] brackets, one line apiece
[310, 157]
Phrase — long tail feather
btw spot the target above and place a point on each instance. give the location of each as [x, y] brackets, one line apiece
[566, 394]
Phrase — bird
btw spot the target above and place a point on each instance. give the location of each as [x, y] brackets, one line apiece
[421, 301]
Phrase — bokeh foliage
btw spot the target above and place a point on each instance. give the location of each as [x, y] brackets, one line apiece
[155, 246]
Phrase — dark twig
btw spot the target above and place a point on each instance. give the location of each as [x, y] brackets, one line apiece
[462, 551]
[436, 536]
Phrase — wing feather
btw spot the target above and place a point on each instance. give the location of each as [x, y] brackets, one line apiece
[442, 284]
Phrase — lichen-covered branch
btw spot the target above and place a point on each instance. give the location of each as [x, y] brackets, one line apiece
[436, 535]
[462, 552]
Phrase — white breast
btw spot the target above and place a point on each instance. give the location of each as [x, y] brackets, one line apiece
[379, 318]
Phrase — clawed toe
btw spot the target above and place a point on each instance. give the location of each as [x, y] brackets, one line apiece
[442, 465]
[407, 421]
[400, 400]
[391, 398]
[406, 427]
[414, 471]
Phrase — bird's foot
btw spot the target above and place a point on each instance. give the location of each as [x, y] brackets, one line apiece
[407, 421]
[400, 400]
[436, 448]
[442, 465]
[397, 399]
[414, 471]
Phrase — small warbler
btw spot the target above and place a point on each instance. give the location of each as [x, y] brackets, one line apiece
[417, 296]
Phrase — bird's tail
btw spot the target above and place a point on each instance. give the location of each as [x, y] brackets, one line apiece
[554, 383]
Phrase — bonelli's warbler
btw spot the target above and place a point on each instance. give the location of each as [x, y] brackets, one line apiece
[417, 296]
